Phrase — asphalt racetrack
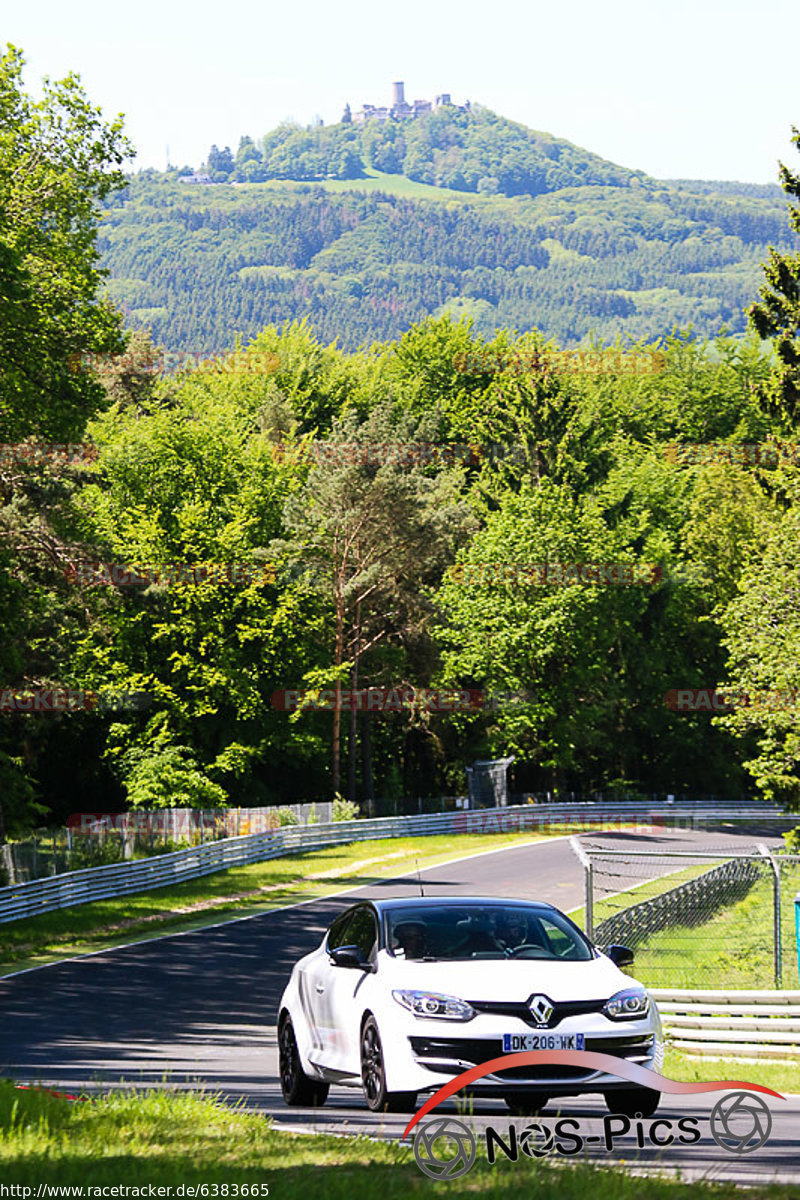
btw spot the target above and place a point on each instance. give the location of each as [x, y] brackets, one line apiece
[199, 1009]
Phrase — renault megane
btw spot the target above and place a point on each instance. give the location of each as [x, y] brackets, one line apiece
[404, 994]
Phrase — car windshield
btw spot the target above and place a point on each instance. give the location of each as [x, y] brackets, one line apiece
[491, 931]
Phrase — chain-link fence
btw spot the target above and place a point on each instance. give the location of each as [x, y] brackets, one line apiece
[696, 919]
[94, 839]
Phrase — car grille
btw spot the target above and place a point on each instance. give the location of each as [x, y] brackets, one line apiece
[521, 1012]
[451, 1056]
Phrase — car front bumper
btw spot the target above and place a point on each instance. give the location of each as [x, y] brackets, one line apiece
[429, 1053]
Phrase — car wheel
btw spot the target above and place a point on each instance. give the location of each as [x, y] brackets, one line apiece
[296, 1087]
[633, 1102]
[373, 1075]
[526, 1104]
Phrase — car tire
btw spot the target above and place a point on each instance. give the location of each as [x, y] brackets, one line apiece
[297, 1088]
[525, 1104]
[373, 1075]
[633, 1102]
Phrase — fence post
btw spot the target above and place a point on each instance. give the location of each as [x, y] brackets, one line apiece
[777, 948]
[797, 929]
[7, 858]
[588, 885]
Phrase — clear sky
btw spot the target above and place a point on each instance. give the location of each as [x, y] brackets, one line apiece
[703, 89]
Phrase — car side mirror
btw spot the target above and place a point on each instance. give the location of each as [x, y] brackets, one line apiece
[349, 956]
[621, 956]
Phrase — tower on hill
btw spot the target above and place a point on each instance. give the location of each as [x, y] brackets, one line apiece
[402, 109]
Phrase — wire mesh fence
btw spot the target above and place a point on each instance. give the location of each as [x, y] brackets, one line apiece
[96, 839]
[707, 918]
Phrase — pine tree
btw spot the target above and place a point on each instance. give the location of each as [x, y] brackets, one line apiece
[777, 315]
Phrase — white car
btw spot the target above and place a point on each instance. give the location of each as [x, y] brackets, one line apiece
[404, 994]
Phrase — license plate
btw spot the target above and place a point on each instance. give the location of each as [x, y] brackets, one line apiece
[514, 1042]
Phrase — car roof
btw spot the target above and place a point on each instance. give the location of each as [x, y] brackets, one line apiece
[455, 902]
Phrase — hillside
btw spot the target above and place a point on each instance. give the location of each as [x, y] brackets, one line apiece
[557, 238]
[472, 151]
[199, 264]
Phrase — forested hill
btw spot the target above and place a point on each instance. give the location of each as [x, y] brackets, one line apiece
[366, 229]
[472, 151]
[199, 264]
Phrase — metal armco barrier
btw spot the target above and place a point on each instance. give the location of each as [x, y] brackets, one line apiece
[750, 1024]
[125, 878]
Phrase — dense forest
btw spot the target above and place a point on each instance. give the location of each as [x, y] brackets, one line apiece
[197, 264]
[249, 544]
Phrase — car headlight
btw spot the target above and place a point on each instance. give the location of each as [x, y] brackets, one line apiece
[627, 1005]
[432, 1004]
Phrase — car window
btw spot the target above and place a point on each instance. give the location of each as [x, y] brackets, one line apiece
[362, 932]
[493, 931]
[559, 940]
[338, 932]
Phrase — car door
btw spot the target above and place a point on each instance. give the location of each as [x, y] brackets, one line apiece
[344, 996]
[315, 990]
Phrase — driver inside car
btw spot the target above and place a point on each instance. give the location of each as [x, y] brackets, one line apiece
[482, 937]
[411, 939]
[513, 930]
[516, 931]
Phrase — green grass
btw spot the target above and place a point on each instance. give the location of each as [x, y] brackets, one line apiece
[733, 948]
[379, 181]
[782, 1077]
[609, 906]
[171, 1138]
[237, 891]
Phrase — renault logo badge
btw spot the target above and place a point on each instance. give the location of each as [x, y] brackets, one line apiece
[540, 1009]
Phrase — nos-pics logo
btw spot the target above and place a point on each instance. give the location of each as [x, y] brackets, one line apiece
[445, 1148]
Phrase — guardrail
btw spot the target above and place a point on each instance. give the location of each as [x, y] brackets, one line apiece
[121, 879]
[760, 1024]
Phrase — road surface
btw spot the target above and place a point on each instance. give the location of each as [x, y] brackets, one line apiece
[198, 1009]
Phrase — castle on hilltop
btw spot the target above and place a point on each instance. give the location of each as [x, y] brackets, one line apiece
[400, 109]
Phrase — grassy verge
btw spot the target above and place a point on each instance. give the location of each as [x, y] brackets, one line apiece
[168, 1139]
[609, 906]
[782, 1077]
[733, 948]
[237, 891]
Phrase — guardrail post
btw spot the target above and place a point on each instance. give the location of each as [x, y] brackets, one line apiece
[797, 929]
